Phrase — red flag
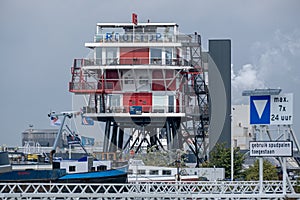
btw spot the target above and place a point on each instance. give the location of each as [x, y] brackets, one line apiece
[134, 18]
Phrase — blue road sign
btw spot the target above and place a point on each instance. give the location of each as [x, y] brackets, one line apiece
[260, 109]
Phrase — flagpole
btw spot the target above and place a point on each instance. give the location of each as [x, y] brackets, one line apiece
[59, 131]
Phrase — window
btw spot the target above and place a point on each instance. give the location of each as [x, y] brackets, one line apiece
[155, 56]
[111, 156]
[143, 80]
[171, 104]
[114, 100]
[111, 55]
[98, 55]
[128, 80]
[158, 103]
[166, 172]
[153, 172]
[101, 168]
[104, 157]
[72, 168]
[168, 56]
[141, 171]
[56, 165]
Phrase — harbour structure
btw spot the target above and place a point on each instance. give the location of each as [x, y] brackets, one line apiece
[45, 137]
[151, 81]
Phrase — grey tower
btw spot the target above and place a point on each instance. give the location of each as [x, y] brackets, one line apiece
[219, 72]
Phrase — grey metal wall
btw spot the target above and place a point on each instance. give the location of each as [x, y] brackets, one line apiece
[219, 77]
[4, 158]
[45, 137]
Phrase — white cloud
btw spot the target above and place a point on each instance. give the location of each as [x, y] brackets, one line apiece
[245, 79]
[275, 65]
[278, 64]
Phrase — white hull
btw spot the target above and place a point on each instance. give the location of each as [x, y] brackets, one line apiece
[188, 178]
[139, 172]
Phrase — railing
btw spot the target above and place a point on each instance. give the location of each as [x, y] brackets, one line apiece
[149, 109]
[179, 190]
[130, 61]
[84, 86]
[92, 87]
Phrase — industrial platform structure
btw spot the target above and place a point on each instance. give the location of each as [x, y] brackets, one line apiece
[149, 80]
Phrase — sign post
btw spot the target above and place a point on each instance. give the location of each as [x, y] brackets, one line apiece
[267, 107]
[271, 148]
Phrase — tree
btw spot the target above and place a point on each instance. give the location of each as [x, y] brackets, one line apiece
[162, 158]
[270, 171]
[220, 156]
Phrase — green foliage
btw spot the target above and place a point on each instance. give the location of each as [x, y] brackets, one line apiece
[269, 170]
[155, 157]
[297, 186]
[221, 157]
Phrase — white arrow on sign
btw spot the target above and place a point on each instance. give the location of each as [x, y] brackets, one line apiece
[260, 106]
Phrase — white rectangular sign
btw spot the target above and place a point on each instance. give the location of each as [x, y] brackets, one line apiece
[271, 149]
[281, 109]
[271, 109]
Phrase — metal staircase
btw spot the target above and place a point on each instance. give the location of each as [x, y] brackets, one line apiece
[197, 128]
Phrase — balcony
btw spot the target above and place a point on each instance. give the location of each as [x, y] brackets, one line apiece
[149, 109]
[91, 87]
[78, 63]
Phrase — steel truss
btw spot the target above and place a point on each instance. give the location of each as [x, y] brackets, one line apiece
[200, 121]
[181, 190]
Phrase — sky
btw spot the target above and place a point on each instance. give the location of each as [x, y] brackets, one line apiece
[39, 40]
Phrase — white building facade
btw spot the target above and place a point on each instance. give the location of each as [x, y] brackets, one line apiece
[242, 132]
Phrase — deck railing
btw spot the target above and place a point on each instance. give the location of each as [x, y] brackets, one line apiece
[189, 110]
[178, 190]
[82, 62]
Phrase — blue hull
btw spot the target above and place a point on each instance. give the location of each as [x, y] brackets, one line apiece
[32, 175]
[108, 176]
[60, 176]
